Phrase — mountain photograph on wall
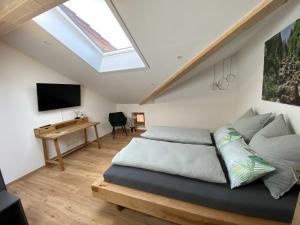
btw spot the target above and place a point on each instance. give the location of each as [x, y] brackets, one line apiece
[282, 66]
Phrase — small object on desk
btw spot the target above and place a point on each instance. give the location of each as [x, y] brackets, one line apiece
[296, 172]
[77, 114]
[58, 130]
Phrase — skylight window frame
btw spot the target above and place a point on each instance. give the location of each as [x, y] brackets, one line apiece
[105, 61]
[119, 51]
[79, 30]
[119, 19]
[135, 47]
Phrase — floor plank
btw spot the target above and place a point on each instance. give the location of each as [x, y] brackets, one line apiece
[52, 197]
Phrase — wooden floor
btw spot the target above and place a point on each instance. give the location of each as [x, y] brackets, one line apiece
[52, 197]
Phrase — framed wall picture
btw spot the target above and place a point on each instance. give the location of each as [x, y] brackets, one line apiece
[282, 66]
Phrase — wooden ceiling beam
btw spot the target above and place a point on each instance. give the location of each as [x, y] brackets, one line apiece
[14, 13]
[259, 12]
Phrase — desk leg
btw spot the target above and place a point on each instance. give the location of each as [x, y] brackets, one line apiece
[46, 153]
[59, 156]
[97, 136]
[85, 136]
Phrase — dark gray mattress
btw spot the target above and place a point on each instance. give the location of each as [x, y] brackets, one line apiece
[252, 200]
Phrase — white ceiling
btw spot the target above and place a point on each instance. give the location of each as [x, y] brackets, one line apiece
[162, 29]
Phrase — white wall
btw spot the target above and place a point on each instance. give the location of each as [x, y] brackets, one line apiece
[20, 151]
[190, 104]
[250, 68]
[194, 105]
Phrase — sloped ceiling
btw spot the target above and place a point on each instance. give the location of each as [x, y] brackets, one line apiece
[162, 29]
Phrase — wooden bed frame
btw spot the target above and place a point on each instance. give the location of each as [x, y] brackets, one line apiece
[175, 210]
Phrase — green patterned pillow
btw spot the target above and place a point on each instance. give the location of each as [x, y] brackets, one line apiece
[243, 165]
[226, 135]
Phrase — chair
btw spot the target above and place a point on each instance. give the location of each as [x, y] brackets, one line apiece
[117, 119]
[2, 184]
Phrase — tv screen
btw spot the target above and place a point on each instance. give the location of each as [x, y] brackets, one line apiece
[57, 96]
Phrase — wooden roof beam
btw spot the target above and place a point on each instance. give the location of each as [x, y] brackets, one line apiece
[259, 12]
[14, 13]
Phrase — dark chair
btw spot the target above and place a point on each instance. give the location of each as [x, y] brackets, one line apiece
[117, 119]
[2, 184]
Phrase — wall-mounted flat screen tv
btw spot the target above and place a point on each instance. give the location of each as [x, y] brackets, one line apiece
[57, 96]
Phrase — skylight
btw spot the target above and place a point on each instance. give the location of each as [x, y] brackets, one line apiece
[90, 29]
[98, 16]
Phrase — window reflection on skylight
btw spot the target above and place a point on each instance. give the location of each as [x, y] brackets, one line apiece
[99, 17]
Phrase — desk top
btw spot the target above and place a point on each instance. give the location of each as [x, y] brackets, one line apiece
[58, 130]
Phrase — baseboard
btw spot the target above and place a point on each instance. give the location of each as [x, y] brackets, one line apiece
[41, 167]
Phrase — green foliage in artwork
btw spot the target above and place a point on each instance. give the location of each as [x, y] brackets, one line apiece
[294, 41]
[270, 87]
[282, 66]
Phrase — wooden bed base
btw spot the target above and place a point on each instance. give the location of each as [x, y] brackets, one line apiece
[175, 210]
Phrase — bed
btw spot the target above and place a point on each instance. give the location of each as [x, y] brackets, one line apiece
[251, 200]
[174, 209]
[186, 200]
[177, 211]
[179, 135]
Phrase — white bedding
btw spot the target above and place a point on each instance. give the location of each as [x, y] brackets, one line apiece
[193, 161]
[179, 135]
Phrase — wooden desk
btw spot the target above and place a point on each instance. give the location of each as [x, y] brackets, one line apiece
[55, 131]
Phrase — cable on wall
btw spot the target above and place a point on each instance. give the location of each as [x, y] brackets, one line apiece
[226, 79]
[214, 85]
